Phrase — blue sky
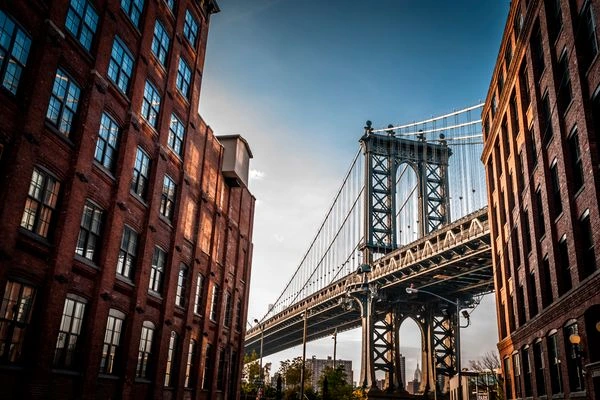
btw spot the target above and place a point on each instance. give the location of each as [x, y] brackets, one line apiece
[299, 78]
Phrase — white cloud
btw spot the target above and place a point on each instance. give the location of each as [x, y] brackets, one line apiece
[257, 175]
[278, 238]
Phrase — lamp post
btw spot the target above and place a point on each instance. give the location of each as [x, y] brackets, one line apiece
[262, 332]
[302, 375]
[334, 337]
[411, 290]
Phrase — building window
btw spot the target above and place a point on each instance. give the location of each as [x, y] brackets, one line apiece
[228, 310]
[133, 9]
[208, 364]
[588, 258]
[171, 364]
[537, 51]
[508, 380]
[563, 269]
[120, 67]
[184, 78]
[526, 231]
[554, 359]
[127, 253]
[526, 364]
[89, 231]
[190, 367]
[14, 50]
[524, 85]
[221, 370]
[142, 369]
[538, 360]
[532, 295]
[521, 305]
[41, 202]
[588, 43]
[112, 340]
[141, 172]
[198, 297]
[554, 18]
[517, 372]
[176, 135]
[63, 102]
[546, 284]
[238, 316]
[575, 160]
[556, 200]
[82, 21]
[70, 328]
[546, 120]
[170, 4]
[158, 269]
[574, 361]
[160, 43]
[494, 105]
[508, 54]
[180, 295]
[533, 148]
[190, 28]
[15, 314]
[108, 138]
[151, 104]
[214, 303]
[565, 93]
[167, 198]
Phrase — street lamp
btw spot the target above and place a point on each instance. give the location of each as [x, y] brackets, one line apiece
[262, 332]
[302, 374]
[334, 337]
[411, 290]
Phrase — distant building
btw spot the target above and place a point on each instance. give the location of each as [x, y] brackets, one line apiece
[541, 132]
[318, 365]
[412, 387]
[403, 369]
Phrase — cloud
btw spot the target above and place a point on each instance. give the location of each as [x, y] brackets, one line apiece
[257, 175]
[278, 238]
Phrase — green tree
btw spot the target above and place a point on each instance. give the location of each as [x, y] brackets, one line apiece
[337, 386]
[250, 374]
[291, 372]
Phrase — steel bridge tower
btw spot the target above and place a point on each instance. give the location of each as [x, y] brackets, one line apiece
[382, 317]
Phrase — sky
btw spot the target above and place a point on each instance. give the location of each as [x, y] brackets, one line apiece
[299, 78]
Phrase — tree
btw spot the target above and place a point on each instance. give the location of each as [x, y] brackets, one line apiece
[488, 366]
[291, 372]
[337, 386]
[250, 374]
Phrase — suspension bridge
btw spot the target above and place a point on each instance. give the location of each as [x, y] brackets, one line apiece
[410, 212]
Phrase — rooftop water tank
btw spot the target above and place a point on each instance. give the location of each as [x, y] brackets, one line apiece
[236, 160]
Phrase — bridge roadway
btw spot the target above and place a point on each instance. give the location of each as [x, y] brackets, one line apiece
[454, 261]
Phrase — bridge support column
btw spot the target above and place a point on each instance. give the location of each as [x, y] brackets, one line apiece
[364, 294]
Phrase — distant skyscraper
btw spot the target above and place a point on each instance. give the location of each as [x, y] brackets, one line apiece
[318, 365]
[403, 369]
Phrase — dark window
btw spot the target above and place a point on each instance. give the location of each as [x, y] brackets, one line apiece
[208, 365]
[171, 363]
[184, 78]
[546, 283]
[180, 295]
[546, 120]
[539, 208]
[228, 309]
[521, 163]
[517, 371]
[214, 303]
[167, 198]
[588, 258]
[575, 160]
[112, 340]
[494, 105]
[537, 51]
[532, 294]
[238, 316]
[524, 85]
[157, 270]
[554, 359]
[563, 269]
[190, 28]
[89, 231]
[160, 43]
[505, 138]
[502, 321]
[508, 381]
[190, 365]
[516, 251]
[141, 172]
[133, 9]
[71, 323]
[176, 135]
[14, 50]
[587, 41]
[15, 314]
[565, 93]
[127, 253]
[82, 21]
[198, 306]
[120, 67]
[518, 24]
[508, 54]
[554, 18]
[142, 369]
[574, 361]
[41, 202]
[151, 104]
[521, 305]
[526, 231]
[63, 102]
[526, 372]
[500, 82]
[538, 360]
[222, 369]
[514, 115]
[556, 199]
[108, 138]
[170, 4]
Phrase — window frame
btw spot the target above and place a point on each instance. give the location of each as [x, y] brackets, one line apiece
[19, 62]
[58, 121]
[134, 5]
[144, 359]
[149, 112]
[107, 144]
[184, 78]
[176, 136]
[171, 363]
[83, 23]
[70, 330]
[157, 270]
[181, 291]
[168, 198]
[44, 211]
[159, 46]
[120, 65]
[141, 173]
[191, 27]
[90, 231]
[126, 268]
[111, 349]
[11, 351]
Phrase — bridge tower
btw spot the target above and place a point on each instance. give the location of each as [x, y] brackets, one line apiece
[381, 318]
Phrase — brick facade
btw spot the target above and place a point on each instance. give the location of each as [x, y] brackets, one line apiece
[542, 155]
[79, 295]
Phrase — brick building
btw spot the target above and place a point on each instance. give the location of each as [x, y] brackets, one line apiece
[125, 224]
[542, 155]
